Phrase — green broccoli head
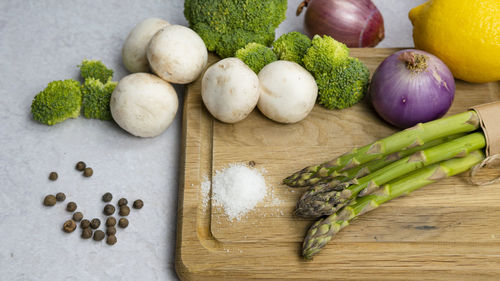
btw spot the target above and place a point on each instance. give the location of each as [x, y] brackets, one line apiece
[344, 86]
[95, 69]
[324, 54]
[256, 56]
[292, 46]
[95, 99]
[228, 25]
[59, 101]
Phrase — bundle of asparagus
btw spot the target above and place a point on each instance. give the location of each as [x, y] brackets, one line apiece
[364, 178]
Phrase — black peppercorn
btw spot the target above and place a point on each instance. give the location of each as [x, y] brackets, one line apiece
[69, 226]
[85, 223]
[71, 207]
[95, 223]
[111, 221]
[49, 200]
[88, 172]
[109, 210]
[98, 235]
[122, 202]
[107, 197]
[78, 216]
[138, 204]
[124, 210]
[123, 223]
[80, 166]
[111, 240]
[110, 230]
[86, 233]
[60, 196]
[53, 176]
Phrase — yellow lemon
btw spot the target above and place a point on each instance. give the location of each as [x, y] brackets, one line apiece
[465, 34]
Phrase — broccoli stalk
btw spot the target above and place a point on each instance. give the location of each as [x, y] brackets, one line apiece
[292, 46]
[96, 97]
[342, 80]
[256, 56]
[228, 25]
[59, 101]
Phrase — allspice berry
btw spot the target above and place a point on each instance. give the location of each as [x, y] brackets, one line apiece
[98, 235]
[122, 202]
[111, 221]
[124, 210]
[95, 223]
[85, 223]
[107, 197]
[138, 204]
[69, 226]
[71, 207]
[88, 172]
[80, 166]
[86, 233]
[78, 216]
[60, 196]
[53, 176]
[110, 230]
[49, 200]
[123, 223]
[111, 240]
[109, 210]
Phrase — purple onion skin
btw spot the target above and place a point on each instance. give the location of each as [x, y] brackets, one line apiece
[404, 97]
[356, 23]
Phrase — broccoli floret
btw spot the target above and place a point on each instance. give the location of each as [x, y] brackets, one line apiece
[228, 25]
[95, 99]
[256, 56]
[95, 69]
[324, 54]
[292, 46]
[59, 101]
[345, 86]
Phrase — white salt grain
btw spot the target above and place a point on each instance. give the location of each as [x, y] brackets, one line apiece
[205, 190]
[238, 189]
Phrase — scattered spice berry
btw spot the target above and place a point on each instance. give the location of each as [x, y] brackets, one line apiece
[95, 223]
[251, 163]
[123, 223]
[111, 221]
[85, 223]
[60, 196]
[122, 202]
[88, 172]
[107, 197]
[111, 240]
[98, 235]
[110, 230]
[109, 209]
[138, 204]
[71, 207]
[78, 216]
[80, 166]
[53, 176]
[86, 233]
[124, 210]
[49, 200]
[69, 226]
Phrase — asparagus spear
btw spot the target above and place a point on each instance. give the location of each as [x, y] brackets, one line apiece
[326, 200]
[322, 231]
[406, 139]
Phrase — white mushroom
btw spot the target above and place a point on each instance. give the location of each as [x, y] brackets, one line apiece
[287, 91]
[177, 54]
[143, 104]
[135, 46]
[230, 90]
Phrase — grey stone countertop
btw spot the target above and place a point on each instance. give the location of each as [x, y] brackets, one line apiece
[42, 41]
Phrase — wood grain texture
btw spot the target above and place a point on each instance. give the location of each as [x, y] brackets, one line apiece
[446, 231]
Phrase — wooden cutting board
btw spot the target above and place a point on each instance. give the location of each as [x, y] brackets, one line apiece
[446, 231]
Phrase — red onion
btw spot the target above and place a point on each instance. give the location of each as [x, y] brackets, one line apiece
[411, 86]
[356, 23]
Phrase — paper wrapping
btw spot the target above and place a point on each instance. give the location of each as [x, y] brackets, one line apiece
[489, 116]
